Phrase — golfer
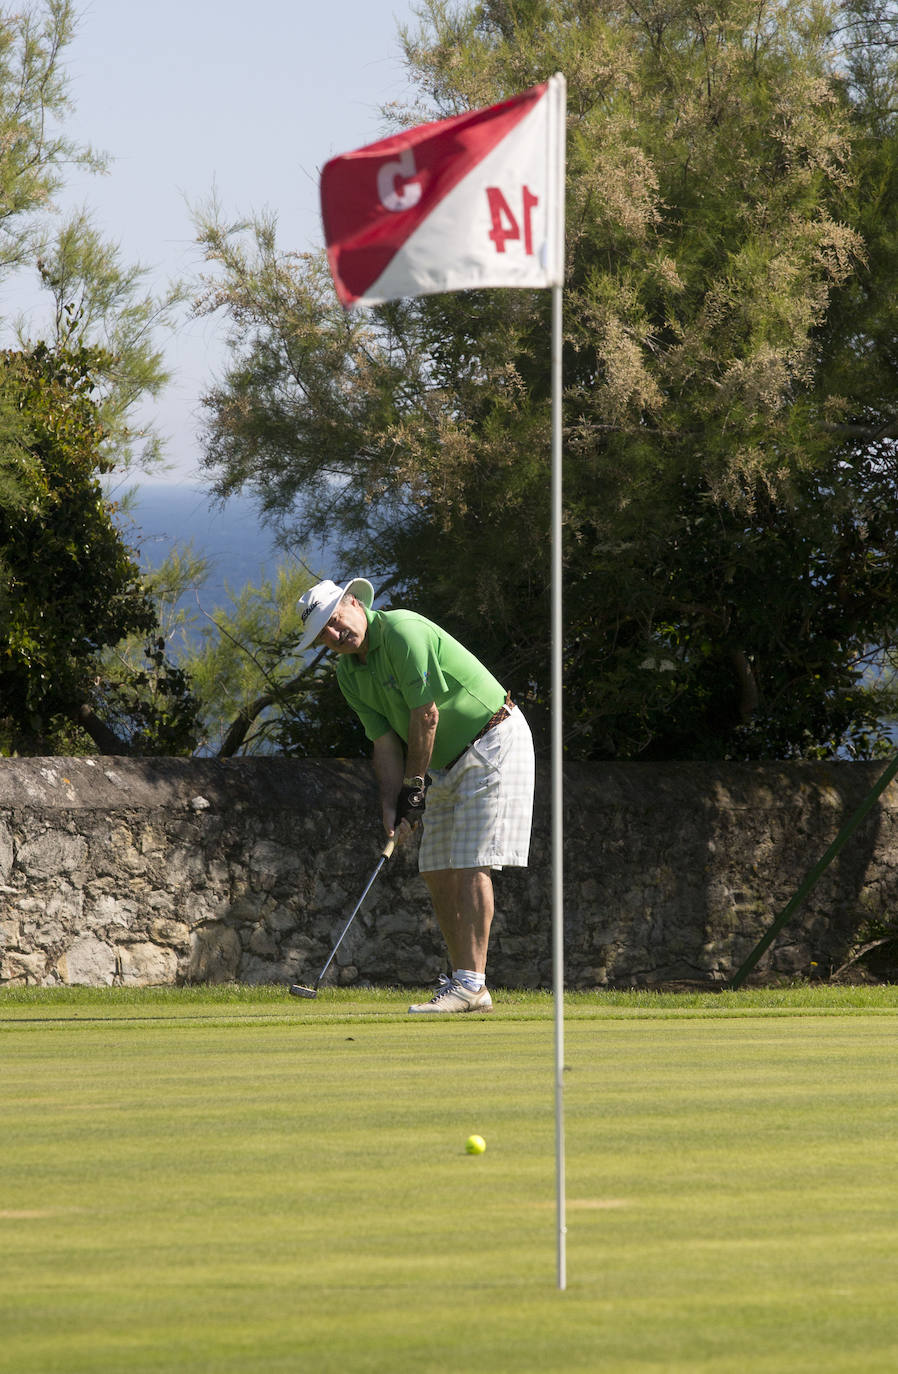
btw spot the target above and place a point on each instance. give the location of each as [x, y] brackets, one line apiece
[450, 749]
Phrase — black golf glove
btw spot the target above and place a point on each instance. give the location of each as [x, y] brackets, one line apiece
[412, 800]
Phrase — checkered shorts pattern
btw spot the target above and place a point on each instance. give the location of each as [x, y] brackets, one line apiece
[479, 812]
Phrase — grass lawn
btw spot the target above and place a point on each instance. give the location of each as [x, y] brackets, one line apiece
[224, 1180]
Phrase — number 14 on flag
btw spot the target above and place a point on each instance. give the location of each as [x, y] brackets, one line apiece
[504, 224]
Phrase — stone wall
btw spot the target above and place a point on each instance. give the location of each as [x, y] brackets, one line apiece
[140, 871]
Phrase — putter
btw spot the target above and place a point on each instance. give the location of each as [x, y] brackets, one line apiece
[298, 989]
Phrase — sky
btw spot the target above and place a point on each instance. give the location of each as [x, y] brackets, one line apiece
[249, 97]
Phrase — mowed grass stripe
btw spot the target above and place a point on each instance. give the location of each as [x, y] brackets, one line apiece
[235, 1002]
[294, 1194]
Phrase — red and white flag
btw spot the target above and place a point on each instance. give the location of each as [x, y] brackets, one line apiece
[472, 201]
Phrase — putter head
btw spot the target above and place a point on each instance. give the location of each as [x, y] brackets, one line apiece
[297, 990]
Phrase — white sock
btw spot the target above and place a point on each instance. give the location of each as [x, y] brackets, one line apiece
[469, 979]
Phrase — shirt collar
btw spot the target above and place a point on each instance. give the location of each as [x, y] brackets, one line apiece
[375, 629]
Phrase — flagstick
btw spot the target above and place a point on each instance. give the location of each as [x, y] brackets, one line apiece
[558, 788]
[348, 216]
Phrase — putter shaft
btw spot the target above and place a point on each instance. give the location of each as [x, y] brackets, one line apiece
[298, 990]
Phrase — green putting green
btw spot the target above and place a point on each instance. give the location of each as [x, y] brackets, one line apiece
[224, 1180]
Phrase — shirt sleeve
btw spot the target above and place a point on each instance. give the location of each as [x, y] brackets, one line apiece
[413, 650]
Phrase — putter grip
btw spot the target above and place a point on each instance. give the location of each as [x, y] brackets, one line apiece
[388, 848]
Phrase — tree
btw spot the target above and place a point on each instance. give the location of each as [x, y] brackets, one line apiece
[34, 149]
[98, 301]
[240, 658]
[731, 557]
[93, 298]
[237, 688]
[70, 586]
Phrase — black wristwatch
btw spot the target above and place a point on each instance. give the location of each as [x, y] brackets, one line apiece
[412, 799]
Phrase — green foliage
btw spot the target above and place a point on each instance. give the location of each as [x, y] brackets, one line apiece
[150, 704]
[143, 688]
[99, 301]
[239, 660]
[731, 546]
[237, 688]
[94, 299]
[34, 150]
[70, 587]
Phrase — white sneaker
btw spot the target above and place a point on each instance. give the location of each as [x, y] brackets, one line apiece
[454, 996]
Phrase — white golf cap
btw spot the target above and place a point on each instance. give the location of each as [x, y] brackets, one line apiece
[319, 603]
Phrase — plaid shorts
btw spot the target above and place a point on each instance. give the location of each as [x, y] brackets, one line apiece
[479, 812]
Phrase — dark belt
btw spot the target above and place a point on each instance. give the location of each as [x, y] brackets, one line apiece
[503, 713]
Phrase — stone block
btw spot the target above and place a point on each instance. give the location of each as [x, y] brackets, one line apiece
[185, 867]
[164, 931]
[248, 908]
[281, 919]
[201, 906]
[114, 911]
[18, 966]
[274, 866]
[395, 922]
[144, 965]
[89, 962]
[52, 853]
[125, 854]
[262, 943]
[215, 952]
[260, 972]
[6, 852]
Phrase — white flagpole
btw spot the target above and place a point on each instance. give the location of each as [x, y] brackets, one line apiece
[558, 788]
[557, 680]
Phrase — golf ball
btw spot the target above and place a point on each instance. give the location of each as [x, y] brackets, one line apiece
[475, 1144]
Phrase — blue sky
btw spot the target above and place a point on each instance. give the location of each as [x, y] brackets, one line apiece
[249, 97]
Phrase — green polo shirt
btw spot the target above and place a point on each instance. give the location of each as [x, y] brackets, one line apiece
[412, 662]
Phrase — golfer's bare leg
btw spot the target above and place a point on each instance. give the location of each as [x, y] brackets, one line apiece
[463, 901]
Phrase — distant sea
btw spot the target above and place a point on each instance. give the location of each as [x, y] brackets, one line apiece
[231, 536]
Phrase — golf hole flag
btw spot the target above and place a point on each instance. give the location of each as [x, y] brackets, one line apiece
[476, 200]
[473, 201]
